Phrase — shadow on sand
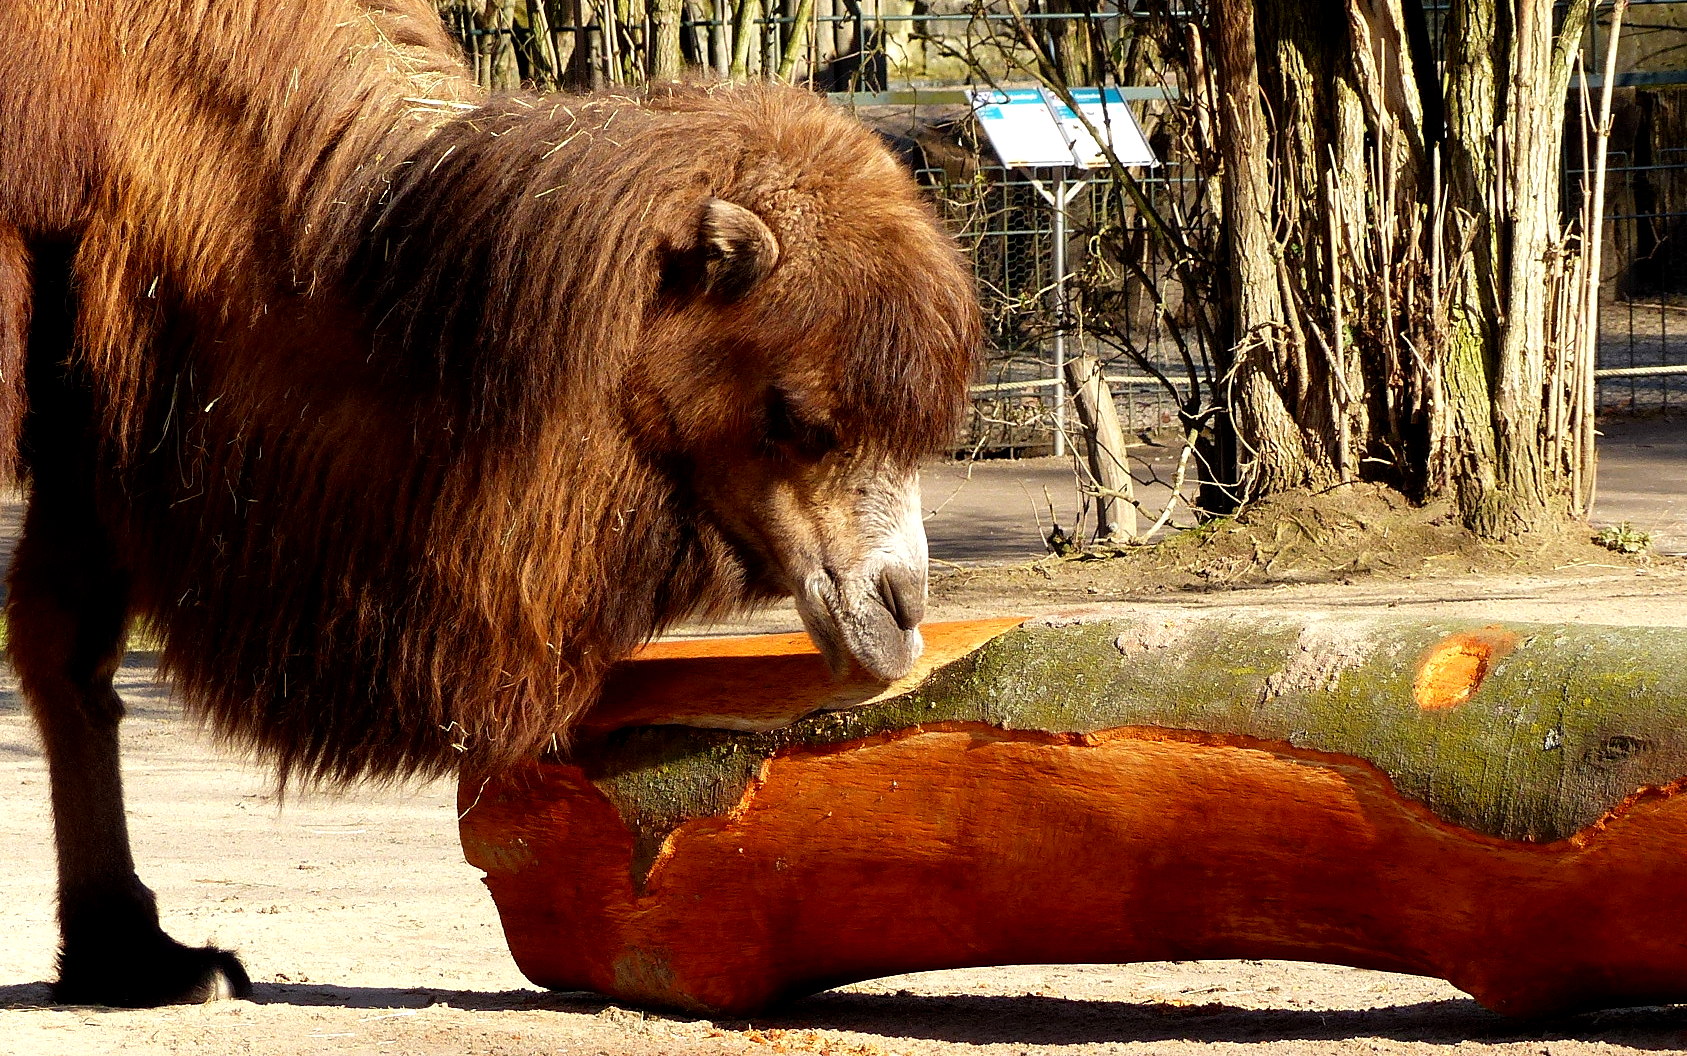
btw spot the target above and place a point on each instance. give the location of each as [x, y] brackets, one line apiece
[1030, 1019]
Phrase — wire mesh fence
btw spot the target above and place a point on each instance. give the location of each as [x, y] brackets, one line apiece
[1643, 320]
[1006, 227]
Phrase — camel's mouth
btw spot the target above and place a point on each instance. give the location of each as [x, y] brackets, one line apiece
[871, 624]
[855, 563]
[870, 612]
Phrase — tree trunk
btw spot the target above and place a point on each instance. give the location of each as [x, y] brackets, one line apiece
[503, 64]
[743, 37]
[666, 59]
[1385, 323]
[1497, 806]
[1508, 77]
[1326, 242]
[796, 44]
[1274, 454]
[1075, 44]
[579, 53]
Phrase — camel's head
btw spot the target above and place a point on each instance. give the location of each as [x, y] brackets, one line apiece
[830, 350]
[809, 515]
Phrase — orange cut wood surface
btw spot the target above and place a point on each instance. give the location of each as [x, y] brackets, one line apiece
[1452, 672]
[761, 682]
[967, 845]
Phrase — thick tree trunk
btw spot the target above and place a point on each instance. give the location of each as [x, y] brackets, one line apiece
[1325, 245]
[1387, 320]
[1273, 456]
[1533, 119]
[1477, 62]
[1494, 805]
[1508, 77]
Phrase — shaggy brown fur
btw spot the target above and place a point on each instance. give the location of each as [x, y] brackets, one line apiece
[401, 413]
[372, 373]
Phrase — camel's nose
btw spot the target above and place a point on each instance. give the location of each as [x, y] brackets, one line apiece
[903, 592]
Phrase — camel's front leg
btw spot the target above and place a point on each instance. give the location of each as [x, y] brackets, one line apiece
[66, 616]
[66, 621]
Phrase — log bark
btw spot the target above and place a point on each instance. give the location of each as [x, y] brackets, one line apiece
[1493, 805]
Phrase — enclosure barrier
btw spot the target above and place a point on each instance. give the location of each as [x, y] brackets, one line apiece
[1493, 805]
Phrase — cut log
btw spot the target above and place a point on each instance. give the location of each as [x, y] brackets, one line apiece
[1495, 806]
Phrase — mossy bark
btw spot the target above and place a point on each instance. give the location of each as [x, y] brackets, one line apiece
[1508, 78]
[1562, 724]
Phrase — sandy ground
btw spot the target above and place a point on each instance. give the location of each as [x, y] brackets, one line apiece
[365, 932]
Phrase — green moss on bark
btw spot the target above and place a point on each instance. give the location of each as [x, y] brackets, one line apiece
[1566, 726]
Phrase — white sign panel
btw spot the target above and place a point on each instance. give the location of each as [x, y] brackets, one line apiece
[1021, 127]
[1106, 111]
[1032, 128]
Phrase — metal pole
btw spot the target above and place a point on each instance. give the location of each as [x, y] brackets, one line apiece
[1058, 198]
[1059, 310]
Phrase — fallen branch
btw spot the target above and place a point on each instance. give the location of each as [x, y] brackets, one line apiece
[1495, 806]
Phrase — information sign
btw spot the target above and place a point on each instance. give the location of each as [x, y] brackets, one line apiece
[1021, 127]
[1031, 128]
[1106, 111]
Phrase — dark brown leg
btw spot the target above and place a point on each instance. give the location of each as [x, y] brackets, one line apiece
[67, 615]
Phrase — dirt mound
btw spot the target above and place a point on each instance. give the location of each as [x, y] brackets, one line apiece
[1337, 536]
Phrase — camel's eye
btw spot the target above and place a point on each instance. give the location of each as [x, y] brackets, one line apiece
[790, 434]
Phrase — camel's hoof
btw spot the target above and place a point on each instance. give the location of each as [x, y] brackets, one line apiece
[155, 971]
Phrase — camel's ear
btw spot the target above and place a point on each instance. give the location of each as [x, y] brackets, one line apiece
[738, 249]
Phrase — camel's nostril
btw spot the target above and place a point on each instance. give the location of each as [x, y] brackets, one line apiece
[903, 594]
